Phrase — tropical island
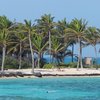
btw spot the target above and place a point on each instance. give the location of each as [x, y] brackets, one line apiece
[23, 46]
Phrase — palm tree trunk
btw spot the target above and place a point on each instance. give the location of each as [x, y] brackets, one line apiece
[78, 63]
[56, 59]
[38, 60]
[81, 64]
[50, 46]
[72, 51]
[32, 55]
[20, 56]
[96, 56]
[52, 59]
[3, 57]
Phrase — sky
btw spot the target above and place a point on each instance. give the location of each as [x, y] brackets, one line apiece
[69, 9]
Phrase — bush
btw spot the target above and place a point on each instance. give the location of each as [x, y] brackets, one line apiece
[48, 66]
[72, 65]
[43, 61]
[69, 65]
[26, 64]
[95, 66]
[13, 63]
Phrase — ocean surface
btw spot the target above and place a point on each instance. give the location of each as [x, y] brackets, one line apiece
[73, 88]
[66, 59]
[69, 59]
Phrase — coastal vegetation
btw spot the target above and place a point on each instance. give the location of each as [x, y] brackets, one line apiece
[24, 44]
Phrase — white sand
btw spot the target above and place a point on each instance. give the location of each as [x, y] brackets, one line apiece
[60, 71]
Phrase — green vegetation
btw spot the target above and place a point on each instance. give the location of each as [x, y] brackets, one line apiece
[48, 66]
[20, 42]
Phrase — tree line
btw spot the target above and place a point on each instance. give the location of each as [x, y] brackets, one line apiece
[46, 35]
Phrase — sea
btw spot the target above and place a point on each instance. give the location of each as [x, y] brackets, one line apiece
[58, 88]
[68, 59]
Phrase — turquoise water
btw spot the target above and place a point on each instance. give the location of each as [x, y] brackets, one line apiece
[69, 59]
[76, 88]
[66, 59]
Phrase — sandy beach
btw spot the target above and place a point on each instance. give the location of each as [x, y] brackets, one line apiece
[60, 72]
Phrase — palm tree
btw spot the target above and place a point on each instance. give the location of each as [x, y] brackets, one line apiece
[28, 28]
[20, 41]
[5, 29]
[77, 30]
[93, 37]
[40, 45]
[61, 26]
[61, 29]
[45, 26]
[57, 46]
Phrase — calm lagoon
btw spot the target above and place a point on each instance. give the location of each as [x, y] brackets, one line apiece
[62, 88]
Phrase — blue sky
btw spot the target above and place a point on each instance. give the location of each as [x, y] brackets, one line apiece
[69, 9]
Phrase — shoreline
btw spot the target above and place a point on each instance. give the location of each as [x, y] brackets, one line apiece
[33, 77]
[66, 72]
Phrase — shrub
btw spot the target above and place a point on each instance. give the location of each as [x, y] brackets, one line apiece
[69, 65]
[72, 65]
[95, 66]
[48, 66]
[13, 63]
[43, 61]
[26, 64]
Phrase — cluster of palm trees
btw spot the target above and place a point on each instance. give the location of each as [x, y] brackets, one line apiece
[45, 35]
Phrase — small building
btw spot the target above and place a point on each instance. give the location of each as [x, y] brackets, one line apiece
[88, 61]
